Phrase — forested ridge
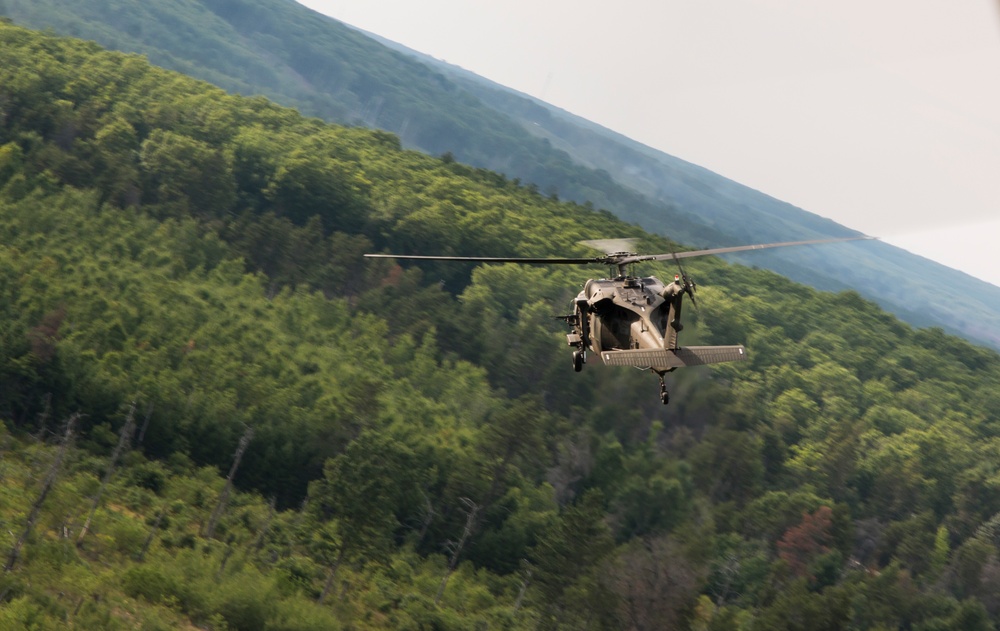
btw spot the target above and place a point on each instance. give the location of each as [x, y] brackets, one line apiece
[289, 53]
[217, 415]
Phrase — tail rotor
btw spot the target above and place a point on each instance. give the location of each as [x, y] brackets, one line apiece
[687, 283]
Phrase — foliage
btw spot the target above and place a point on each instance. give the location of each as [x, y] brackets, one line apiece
[324, 68]
[198, 253]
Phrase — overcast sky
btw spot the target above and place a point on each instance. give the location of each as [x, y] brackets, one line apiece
[883, 115]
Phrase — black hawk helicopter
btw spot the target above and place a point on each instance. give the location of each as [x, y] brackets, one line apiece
[628, 320]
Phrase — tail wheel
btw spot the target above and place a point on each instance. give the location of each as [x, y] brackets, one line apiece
[664, 395]
[578, 361]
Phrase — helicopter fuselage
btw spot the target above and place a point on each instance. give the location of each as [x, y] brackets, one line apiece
[631, 321]
[626, 313]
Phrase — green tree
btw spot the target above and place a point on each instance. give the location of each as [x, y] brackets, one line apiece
[567, 558]
[183, 174]
[361, 493]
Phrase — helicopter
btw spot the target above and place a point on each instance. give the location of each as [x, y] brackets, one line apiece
[628, 320]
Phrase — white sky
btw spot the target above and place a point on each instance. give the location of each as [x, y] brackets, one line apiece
[883, 115]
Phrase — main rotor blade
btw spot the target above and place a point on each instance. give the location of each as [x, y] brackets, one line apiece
[490, 259]
[611, 259]
[738, 248]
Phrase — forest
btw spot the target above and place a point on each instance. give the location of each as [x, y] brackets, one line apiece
[286, 52]
[299, 58]
[218, 415]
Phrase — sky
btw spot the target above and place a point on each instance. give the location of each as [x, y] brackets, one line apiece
[883, 115]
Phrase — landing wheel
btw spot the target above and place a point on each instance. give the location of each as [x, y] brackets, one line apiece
[578, 360]
[664, 395]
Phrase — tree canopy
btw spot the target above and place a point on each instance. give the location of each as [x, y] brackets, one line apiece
[422, 455]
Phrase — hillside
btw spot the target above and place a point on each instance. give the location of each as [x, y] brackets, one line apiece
[903, 283]
[181, 291]
[287, 52]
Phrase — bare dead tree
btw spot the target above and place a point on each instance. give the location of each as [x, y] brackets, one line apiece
[152, 534]
[258, 541]
[124, 439]
[654, 582]
[228, 554]
[43, 417]
[145, 424]
[428, 516]
[471, 519]
[331, 575]
[293, 532]
[36, 507]
[3, 454]
[220, 507]
[527, 570]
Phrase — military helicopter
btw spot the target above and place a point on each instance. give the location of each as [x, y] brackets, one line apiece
[628, 320]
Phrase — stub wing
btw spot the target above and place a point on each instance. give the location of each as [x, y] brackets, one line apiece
[662, 359]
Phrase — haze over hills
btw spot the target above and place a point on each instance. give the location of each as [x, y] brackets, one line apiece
[295, 56]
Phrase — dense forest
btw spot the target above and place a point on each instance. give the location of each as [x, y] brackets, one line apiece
[324, 68]
[216, 414]
[297, 57]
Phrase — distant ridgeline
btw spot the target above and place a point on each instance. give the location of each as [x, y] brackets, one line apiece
[289, 53]
[409, 448]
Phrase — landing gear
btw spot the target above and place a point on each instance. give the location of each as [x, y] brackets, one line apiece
[579, 359]
[664, 395]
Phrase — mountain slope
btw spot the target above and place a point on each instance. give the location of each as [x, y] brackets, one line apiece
[730, 213]
[285, 51]
[190, 258]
